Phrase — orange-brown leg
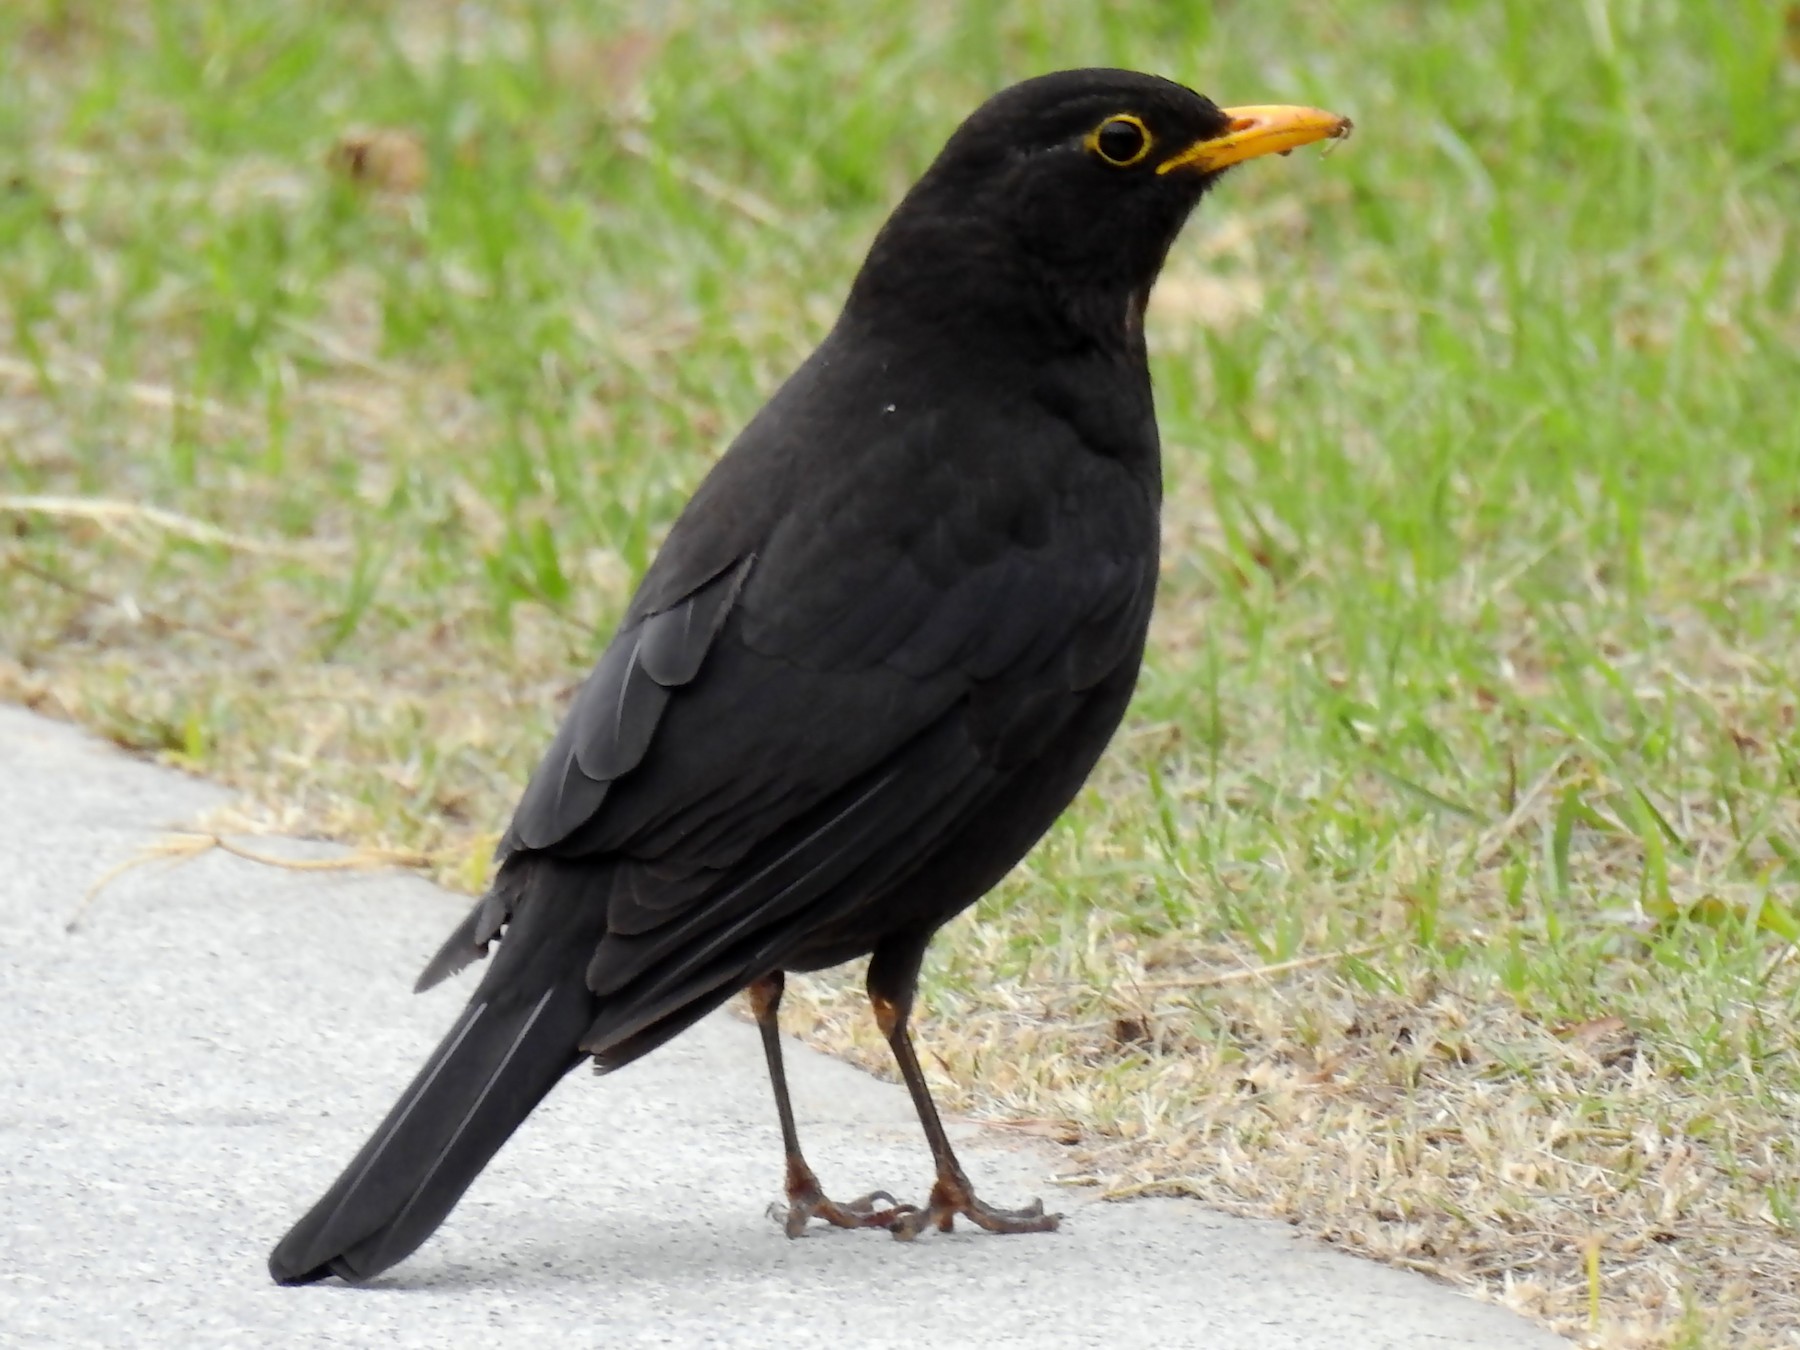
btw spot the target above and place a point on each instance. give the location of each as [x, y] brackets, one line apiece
[893, 979]
[806, 1201]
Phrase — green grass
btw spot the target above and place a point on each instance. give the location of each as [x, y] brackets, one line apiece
[1472, 702]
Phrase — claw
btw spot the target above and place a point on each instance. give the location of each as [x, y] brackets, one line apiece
[952, 1196]
[865, 1204]
[807, 1202]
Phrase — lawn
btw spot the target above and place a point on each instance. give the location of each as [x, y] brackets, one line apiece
[1442, 893]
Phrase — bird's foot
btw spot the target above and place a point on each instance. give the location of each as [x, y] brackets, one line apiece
[953, 1195]
[807, 1202]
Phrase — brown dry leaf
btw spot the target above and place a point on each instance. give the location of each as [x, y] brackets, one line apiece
[1324, 1071]
[1591, 1032]
[1607, 1042]
[608, 70]
[1065, 1132]
[388, 159]
[1130, 1031]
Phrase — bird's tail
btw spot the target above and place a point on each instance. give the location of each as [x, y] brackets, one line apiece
[519, 1035]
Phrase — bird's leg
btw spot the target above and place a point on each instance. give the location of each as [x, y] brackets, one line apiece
[805, 1200]
[891, 984]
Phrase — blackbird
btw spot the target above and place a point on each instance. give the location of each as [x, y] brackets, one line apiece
[878, 654]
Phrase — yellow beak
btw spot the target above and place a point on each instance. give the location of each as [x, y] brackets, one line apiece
[1267, 129]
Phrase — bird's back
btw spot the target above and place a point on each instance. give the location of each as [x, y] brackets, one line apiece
[932, 583]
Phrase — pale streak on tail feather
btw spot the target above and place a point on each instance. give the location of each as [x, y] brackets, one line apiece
[446, 1052]
[474, 1106]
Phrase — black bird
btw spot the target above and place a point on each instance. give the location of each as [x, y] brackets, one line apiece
[880, 651]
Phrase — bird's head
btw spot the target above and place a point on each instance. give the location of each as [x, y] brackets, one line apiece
[1071, 186]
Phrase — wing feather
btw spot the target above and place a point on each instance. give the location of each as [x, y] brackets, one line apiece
[762, 749]
[763, 911]
[615, 716]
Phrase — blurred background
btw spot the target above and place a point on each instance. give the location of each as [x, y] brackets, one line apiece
[1441, 893]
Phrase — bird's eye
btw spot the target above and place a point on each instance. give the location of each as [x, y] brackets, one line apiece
[1121, 140]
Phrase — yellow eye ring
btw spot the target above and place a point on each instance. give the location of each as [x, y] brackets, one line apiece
[1121, 140]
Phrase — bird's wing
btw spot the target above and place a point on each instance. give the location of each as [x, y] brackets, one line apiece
[609, 728]
[791, 731]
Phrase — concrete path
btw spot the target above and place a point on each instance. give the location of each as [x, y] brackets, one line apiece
[185, 1072]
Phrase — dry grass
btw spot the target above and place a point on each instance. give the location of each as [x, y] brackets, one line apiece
[1419, 1126]
[1442, 894]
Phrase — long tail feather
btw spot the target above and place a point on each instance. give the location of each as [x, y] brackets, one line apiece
[519, 1035]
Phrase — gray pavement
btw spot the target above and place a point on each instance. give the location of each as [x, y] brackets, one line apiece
[186, 1070]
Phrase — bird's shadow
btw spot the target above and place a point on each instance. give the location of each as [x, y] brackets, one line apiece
[675, 1250]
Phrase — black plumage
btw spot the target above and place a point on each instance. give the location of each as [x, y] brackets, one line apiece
[881, 649]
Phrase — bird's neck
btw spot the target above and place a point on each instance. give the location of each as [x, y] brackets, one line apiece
[951, 283]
